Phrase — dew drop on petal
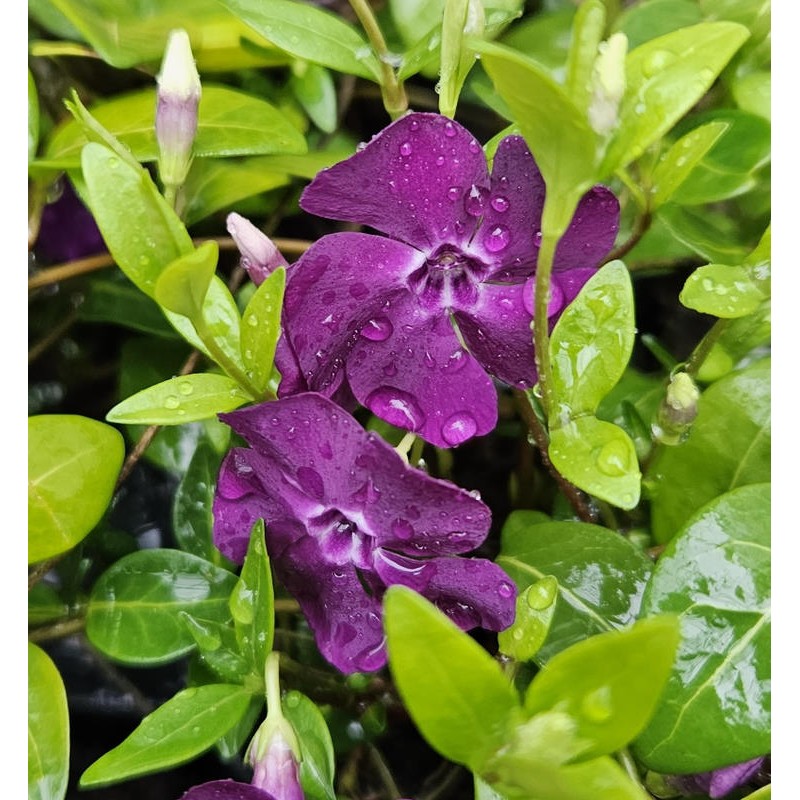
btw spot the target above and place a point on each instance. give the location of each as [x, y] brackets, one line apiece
[537, 238]
[358, 290]
[396, 407]
[405, 149]
[390, 369]
[456, 362]
[500, 204]
[449, 129]
[402, 529]
[474, 147]
[453, 193]
[459, 427]
[439, 161]
[378, 329]
[474, 201]
[497, 239]
[505, 590]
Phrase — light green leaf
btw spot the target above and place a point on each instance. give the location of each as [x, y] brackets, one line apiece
[183, 284]
[314, 89]
[544, 38]
[587, 33]
[262, 327]
[646, 20]
[230, 745]
[310, 33]
[413, 17]
[422, 54]
[723, 291]
[218, 649]
[713, 236]
[716, 575]
[48, 728]
[73, 464]
[133, 610]
[182, 728]
[753, 93]
[461, 18]
[183, 399]
[534, 614]
[33, 118]
[455, 692]
[316, 748]
[599, 458]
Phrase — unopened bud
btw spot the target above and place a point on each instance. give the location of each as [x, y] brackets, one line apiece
[608, 84]
[260, 256]
[176, 114]
[677, 411]
[275, 767]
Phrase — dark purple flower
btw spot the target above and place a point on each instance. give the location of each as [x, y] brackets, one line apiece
[227, 790]
[346, 517]
[719, 782]
[67, 229]
[413, 323]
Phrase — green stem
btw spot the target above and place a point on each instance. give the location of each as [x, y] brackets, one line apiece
[395, 100]
[273, 684]
[170, 194]
[704, 347]
[541, 334]
[629, 765]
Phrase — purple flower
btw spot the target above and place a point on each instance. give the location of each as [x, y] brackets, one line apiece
[227, 789]
[68, 230]
[260, 256]
[719, 782]
[412, 324]
[346, 517]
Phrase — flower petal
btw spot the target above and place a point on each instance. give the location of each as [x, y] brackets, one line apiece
[473, 592]
[497, 331]
[592, 232]
[419, 180]
[420, 378]
[226, 789]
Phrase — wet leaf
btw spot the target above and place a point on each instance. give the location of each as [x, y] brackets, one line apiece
[455, 692]
[588, 26]
[48, 728]
[183, 284]
[218, 649]
[231, 744]
[316, 748]
[73, 464]
[33, 118]
[716, 575]
[720, 290]
[534, 614]
[132, 614]
[728, 446]
[461, 18]
[174, 733]
[713, 236]
[183, 399]
[601, 575]
[753, 93]
[651, 18]
[315, 90]
[544, 38]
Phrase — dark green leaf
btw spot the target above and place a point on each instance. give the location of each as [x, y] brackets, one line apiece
[218, 649]
[73, 464]
[712, 235]
[646, 20]
[314, 89]
[535, 608]
[133, 609]
[183, 284]
[716, 575]
[179, 730]
[316, 748]
[601, 576]
[723, 291]
[544, 38]
[728, 446]
[45, 605]
[455, 692]
[230, 745]
[48, 728]
[261, 329]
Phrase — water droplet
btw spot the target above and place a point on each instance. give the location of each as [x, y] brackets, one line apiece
[358, 290]
[474, 147]
[405, 149]
[453, 193]
[681, 161]
[144, 260]
[541, 594]
[185, 388]
[172, 402]
[474, 201]
[378, 329]
[505, 590]
[390, 369]
[112, 162]
[537, 238]
[656, 62]
[449, 129]
[497, 239]
[640, 109]
[612, 459]
[252, 320]
[402, 529]
[596, 706]
[396, 407]
[459, 427]
[439, 161]
[414, 122]
[500, 204]
[518, 634]
[292, 700]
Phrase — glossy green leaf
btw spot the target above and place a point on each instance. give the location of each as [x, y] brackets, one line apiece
[461, 18]
[601, 575]
[485, 792]
[677, 163]
[587, 33]
[609, 684]
[423, 54]
[316, 748]
[183, 284]
[647, 20]
[73, 464]
[592, 341]
[599, 458]
[544, 38]
[414, 17]
[716, 575]
[310, 33]
[315, 90]
[183, 399]
[753, 93]
[48, 728]
[665, 78]
[722, 291]
[230, 745]
[728, 446]
[764, 793]
[174, 733]
[218, 649]
[133, 609]
[230, 123]
[536, 606]
[453, 689]
[252, 602]
[262, 327]
[713, 236]
[140, 229]
[33, 118]
[45, 604]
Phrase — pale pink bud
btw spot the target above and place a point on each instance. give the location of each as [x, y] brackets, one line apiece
[275, 768]
[260, 256]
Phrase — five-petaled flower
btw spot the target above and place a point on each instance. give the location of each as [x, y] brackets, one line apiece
[412, 322]
[346, 517]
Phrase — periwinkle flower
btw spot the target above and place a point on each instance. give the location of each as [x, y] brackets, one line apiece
[415, 322]
[345, 518]
[719, 782]
[227, 789]
[260, 255]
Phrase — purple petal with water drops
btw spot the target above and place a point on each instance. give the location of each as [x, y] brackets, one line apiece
[473, 592]
[418, 377]
[508, 238]
[422, 180]
[345, 619]
[497, 332]
[338, 289]
[226, 790]
[592, 232]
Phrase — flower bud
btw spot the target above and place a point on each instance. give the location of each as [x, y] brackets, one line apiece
[608, 84]
[176, 114]
[677, 411]
[260, 256]
[272, 756]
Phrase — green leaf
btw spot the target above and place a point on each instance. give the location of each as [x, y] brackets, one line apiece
[665, 78]
[48, 728]
[73, 464]
[179, 730]
[677, 163]
[587, 33]
[601, 575]
[45, 604]
[723, 291]
[218, 648]
[455, 692]
[229, 123]
[592, 341]
[753, 93]
[132, 614]
[183, 284]
[141, 231]
[544, 38]
[599, 458]
[310, 33]
[423, 53]
[715, 237]
[534, 614]
[230, 745]
[461, 18]
[314, 89]
[728, 446]
[183, 399]
[316, 748]
[609, 684]
[33, 118]
[651, 18]
[413, 17]
[716, 575]
[262, 327]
